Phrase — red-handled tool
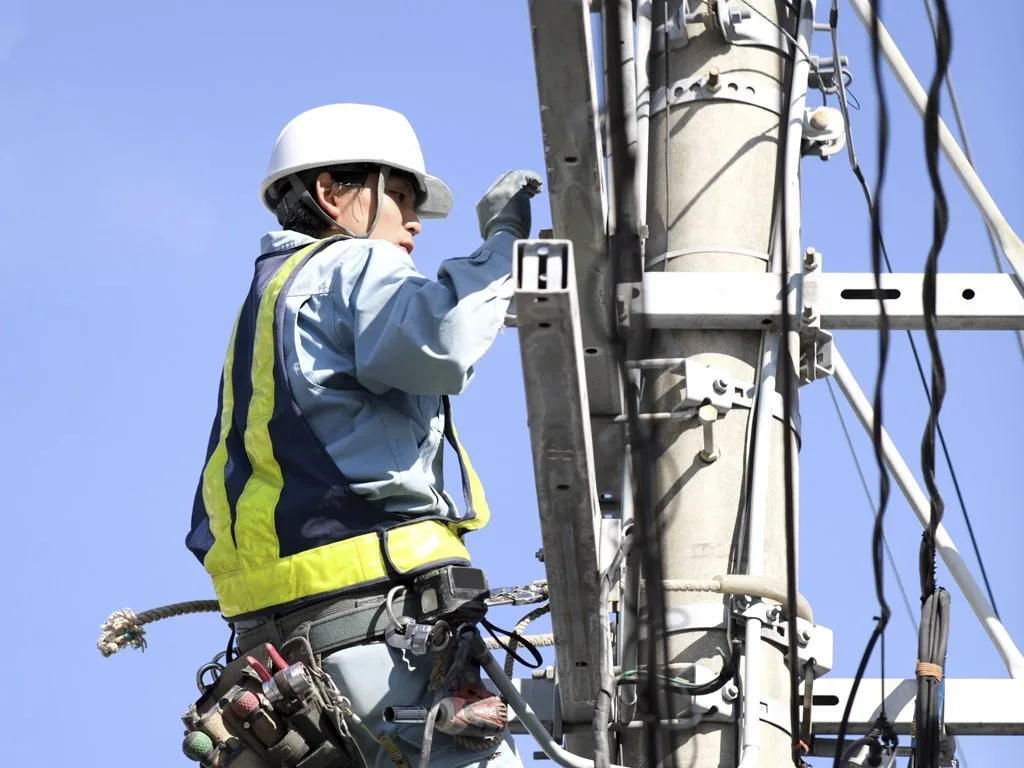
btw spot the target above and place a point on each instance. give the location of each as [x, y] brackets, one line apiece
[276, 659]
[258, 668]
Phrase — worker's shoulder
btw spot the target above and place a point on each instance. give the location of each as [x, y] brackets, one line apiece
[344, 261]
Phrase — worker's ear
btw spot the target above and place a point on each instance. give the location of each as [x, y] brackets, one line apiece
[327, 195]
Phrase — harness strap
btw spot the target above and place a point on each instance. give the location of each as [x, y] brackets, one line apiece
[332, 624]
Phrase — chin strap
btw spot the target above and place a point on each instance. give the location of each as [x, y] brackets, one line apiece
[299, 193]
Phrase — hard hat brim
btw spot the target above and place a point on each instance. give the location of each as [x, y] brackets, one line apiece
[436, 203]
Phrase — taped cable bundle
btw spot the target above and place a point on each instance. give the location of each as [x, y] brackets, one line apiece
[933, 638]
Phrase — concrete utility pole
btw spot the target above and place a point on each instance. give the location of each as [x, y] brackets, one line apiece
[713, 175]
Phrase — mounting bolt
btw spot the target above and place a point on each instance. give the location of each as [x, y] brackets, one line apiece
[707, 416]
[804, 637]
[539, 554]
[810, 258]
[714, 83]
[808, 313]
[721, 386]
[774, 613]
[730, 692]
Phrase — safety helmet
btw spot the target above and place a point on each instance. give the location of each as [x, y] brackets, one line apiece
[343, 134]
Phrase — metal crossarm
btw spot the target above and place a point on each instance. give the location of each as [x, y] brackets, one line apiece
[556, 400]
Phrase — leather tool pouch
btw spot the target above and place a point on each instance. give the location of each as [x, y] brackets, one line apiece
[293, 721]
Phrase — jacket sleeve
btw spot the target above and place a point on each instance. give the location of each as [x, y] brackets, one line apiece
[422, 336]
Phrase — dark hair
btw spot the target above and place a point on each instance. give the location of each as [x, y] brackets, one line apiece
[294, 214]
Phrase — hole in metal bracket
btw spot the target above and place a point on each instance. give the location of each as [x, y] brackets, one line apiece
[968, 293]
[543, 325]
[562, 487]
[571, 159]
[766, 321]
[591, 351]
[871, 294]
[540, 299]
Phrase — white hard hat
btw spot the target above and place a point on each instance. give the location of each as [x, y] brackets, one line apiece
[342, 134]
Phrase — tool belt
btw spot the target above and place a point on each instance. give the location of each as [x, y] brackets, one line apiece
[270, 709]
[456, 594]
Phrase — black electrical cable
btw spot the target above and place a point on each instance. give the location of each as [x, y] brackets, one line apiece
[630, 342]
[786, 380]
[940, 224]
[997, 251]
[932, 641]
[883, 352]
[859, 174]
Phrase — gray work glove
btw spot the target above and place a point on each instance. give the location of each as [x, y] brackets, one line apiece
[506, 205]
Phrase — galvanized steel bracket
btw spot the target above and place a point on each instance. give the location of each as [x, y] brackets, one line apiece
[713, 85]
[814, 642]
[815, 343]
[738, 25]
[674, 30]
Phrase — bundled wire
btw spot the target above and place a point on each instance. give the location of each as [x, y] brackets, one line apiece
[940, 224]
[630, 341]
[878, 534]
[931, 658]
[934, 631]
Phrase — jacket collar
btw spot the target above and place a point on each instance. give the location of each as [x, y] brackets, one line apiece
[280, 240]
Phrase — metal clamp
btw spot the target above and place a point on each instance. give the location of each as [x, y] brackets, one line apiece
[418, 639]
[739, 26]
[674, 28]
[822, 76]
[814, 642]
[815, 344]
[731, 86]
[534, 592]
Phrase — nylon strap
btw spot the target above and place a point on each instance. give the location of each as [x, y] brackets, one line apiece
[477, 511]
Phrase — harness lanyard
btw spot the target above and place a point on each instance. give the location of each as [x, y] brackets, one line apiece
[477, 511]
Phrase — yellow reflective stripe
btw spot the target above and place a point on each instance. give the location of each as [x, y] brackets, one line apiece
[222, 555]
[336, 566]
[473, 488]
[254, 516]
[411, 547]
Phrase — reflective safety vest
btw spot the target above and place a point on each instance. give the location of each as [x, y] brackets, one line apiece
[274, 519]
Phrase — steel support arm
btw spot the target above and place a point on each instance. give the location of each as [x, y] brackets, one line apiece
[973, 707]
[563, 462]
[567, 94]
[745, 300]
[919, 503]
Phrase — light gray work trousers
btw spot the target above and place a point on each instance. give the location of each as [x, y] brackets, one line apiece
[375, 676]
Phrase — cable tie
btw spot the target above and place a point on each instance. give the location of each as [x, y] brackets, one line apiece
[927, 669]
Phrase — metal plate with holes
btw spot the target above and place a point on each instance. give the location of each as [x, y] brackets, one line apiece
[563, 464]
[744, 300]
[731, 87]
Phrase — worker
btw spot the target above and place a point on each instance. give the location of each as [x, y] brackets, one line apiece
[323, 486]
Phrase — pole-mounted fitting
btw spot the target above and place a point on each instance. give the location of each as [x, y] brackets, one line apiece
[707, 415]
[714, 81]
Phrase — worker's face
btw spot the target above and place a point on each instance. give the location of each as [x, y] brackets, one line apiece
[354, 208]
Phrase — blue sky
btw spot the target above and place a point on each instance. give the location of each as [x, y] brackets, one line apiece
[135, 138]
